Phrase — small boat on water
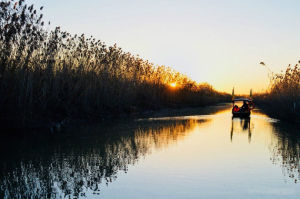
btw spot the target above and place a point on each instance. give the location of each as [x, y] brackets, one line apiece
[244, 110]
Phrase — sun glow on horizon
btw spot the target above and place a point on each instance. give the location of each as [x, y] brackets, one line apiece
[224, 48]
[173, 85]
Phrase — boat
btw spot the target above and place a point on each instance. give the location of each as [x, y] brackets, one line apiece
[245, 109]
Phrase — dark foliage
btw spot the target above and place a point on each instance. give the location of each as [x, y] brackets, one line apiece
[283, 98]
[54, 75]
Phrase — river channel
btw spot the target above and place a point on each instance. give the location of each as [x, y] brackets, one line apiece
[199, 156]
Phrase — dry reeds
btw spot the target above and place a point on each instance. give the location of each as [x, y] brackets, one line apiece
[283, 97]
[53, 74]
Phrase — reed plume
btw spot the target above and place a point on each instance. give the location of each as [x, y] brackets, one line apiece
[283, 96]
[54, 74]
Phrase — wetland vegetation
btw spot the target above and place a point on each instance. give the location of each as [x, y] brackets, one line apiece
[282, 100]
[52, 75]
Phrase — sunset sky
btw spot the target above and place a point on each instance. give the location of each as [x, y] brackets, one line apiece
[216, 41]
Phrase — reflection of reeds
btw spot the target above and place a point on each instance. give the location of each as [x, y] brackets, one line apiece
[160, 136]
[283, 98]
[286, 152]
[71, 167]
[56, 74]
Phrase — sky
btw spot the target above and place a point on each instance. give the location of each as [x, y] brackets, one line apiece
[215, 41]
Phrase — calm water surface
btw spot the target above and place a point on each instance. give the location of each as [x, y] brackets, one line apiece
[203, 156]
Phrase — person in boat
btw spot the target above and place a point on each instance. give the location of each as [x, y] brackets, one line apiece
[245, 106]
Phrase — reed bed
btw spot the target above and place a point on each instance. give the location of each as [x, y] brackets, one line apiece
[283, 97]
[52, 74]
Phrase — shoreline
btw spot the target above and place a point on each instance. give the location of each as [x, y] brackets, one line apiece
[57, 126]
[287, 117]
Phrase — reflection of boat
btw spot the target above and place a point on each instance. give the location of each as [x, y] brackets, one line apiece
[244, 110]
[244, 126]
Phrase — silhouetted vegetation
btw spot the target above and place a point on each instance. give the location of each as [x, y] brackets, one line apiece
[70, 166]
[53, 75]
[283, 98]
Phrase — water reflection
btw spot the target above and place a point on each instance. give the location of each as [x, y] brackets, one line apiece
[191, 152]
[241, 125]
[74, 166]
[285, 150]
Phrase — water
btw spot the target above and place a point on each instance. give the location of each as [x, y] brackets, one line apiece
[203, 156]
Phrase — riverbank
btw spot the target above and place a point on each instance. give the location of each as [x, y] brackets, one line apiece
[188, 111]
[57, 126]
[280, 113]
[279, 107]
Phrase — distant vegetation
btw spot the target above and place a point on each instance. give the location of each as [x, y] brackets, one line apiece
[54, 75]
[283, 97]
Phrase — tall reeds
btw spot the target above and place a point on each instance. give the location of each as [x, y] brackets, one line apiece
[54, 74]
[283, 97]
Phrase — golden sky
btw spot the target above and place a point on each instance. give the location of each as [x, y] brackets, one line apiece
[216, 41]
